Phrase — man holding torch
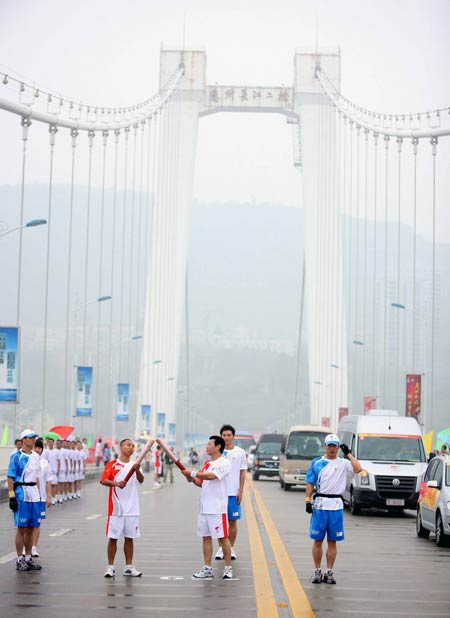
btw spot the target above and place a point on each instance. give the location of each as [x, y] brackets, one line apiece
[212, 517]
[120, 475]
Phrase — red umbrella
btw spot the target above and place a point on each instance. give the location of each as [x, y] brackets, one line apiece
[63, 430]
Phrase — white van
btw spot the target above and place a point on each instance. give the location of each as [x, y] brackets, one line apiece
[391, 451]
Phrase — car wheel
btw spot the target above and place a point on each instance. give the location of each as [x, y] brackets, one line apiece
[355, 509]
[255, 476]
[422, 532]
[441, 539]
[287, 487]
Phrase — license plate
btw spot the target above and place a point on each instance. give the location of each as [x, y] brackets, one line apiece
[394, 502]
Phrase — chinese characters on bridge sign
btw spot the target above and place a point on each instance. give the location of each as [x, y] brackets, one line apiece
[122, 402]
[84, 391]
[413, 394]
[249, 96]
[9, 366]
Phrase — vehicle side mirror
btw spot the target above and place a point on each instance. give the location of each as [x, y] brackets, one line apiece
[252, 449]
[283, 447]
[433, 484]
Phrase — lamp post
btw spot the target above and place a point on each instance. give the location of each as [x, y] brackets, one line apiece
[32, 223]
[100, 299]
[423, 371]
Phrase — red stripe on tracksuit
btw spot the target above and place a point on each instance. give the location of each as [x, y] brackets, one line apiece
[225, 525]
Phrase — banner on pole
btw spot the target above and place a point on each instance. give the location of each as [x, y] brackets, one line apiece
[342, 412]
[161, 425]
[413, 394]
[84, 391]
[172, 434]
[370, 403]
[122, 402]
[9, 364]
[325, 421]
[146, 412]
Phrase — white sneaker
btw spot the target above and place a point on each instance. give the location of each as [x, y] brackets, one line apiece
[233, 554]
[219, 554]
[34, 552]
[110, 571]
[156, 485]
[227, 573]
[204, 573]
[130, 571]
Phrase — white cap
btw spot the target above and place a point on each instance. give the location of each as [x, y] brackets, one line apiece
[28, 433]
[332, 438]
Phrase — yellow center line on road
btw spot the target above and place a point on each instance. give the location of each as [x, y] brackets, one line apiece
[299, 603]
[265, 601]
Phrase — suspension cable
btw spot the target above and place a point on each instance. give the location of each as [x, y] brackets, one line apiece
[384, 127]
[52, 131]
[74, 135]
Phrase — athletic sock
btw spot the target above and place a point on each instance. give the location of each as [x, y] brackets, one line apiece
[27, 557]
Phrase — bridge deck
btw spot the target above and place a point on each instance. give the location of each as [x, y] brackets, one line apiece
[382, 569]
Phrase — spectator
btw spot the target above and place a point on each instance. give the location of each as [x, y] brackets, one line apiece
[98, 452]
[106, 454]
[168, 467]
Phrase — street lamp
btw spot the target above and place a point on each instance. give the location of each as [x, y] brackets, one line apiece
[358, 342]
[32, 223]
[136, 337]
[100, 299]
[423, 372]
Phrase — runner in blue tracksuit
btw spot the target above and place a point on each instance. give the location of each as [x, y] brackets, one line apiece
[24, 498]
[327, 476]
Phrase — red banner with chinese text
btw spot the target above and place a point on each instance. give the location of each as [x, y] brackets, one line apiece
[413, 394]
[369, 403]
[342, 412]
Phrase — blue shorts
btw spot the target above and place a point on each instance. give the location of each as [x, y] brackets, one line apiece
[28, 514]
[234, 509]
[43, 508]
[330, 523]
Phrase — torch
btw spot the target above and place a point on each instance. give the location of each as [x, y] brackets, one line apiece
[170, 454]
[140, 459]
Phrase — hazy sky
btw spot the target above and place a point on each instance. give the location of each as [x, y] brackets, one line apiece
[394, 58]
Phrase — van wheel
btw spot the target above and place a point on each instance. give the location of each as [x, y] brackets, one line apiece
[441, 539]
[355, 509]
[255, 476]
[422, 532]
[287, 487]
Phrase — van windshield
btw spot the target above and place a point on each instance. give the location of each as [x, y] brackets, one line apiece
[269, 448]
[305, 445]
[390, 448]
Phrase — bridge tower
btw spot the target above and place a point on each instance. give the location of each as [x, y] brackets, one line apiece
[304, 104]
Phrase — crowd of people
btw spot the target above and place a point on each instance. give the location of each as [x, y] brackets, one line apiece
[40, 476]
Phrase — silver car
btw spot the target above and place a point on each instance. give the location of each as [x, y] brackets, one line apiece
[433, 508]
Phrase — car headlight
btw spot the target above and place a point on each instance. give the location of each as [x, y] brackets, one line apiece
[364, 477]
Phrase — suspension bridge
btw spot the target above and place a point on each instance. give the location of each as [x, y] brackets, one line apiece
[112, 248]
